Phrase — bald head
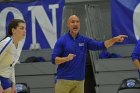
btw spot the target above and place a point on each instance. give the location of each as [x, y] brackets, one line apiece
[71, 17]
[73, 24]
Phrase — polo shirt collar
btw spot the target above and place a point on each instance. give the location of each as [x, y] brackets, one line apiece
[71, 35]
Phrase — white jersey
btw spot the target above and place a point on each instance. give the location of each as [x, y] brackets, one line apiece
[9, 56]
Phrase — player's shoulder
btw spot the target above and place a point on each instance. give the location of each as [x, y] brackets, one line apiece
[6, 40]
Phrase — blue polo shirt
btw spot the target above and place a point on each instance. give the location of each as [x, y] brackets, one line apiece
[136, 51]
[74, 69]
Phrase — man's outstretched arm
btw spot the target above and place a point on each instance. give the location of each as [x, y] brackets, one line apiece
[110, 42]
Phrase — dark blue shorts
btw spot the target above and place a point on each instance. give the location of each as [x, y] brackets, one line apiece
[5, 82]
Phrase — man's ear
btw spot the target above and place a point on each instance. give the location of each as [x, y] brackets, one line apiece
[68, 23]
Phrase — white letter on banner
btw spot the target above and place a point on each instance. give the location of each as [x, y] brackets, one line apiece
[53, 7]
[3, 14]
[38, 13]
[136, 22]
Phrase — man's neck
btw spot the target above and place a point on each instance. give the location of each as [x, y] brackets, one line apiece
[73, 35]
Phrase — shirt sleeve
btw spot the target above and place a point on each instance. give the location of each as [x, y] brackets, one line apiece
[94, 45]
[136, 51]
[4, 46]
[57, 51]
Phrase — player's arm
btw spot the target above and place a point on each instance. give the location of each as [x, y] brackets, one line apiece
[4, 46]
[137, 63]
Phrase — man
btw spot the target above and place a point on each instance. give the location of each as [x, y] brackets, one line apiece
[70, 55]
[136, 56]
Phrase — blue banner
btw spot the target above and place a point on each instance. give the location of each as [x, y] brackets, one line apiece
[43, 21]
[125, 15]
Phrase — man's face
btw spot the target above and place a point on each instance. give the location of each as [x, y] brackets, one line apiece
[74, 24]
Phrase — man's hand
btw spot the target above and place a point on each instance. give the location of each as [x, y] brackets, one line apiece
[110, 42]
[70, 57]
[60, 60]
[120, 38]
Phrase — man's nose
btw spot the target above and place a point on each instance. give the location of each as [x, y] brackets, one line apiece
[75, 23]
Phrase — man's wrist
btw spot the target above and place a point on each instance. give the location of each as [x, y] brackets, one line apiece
[66, 59]
[115, 39]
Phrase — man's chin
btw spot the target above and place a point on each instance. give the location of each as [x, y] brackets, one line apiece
[75, 31]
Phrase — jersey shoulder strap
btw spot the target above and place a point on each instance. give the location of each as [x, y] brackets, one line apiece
[4, 43]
